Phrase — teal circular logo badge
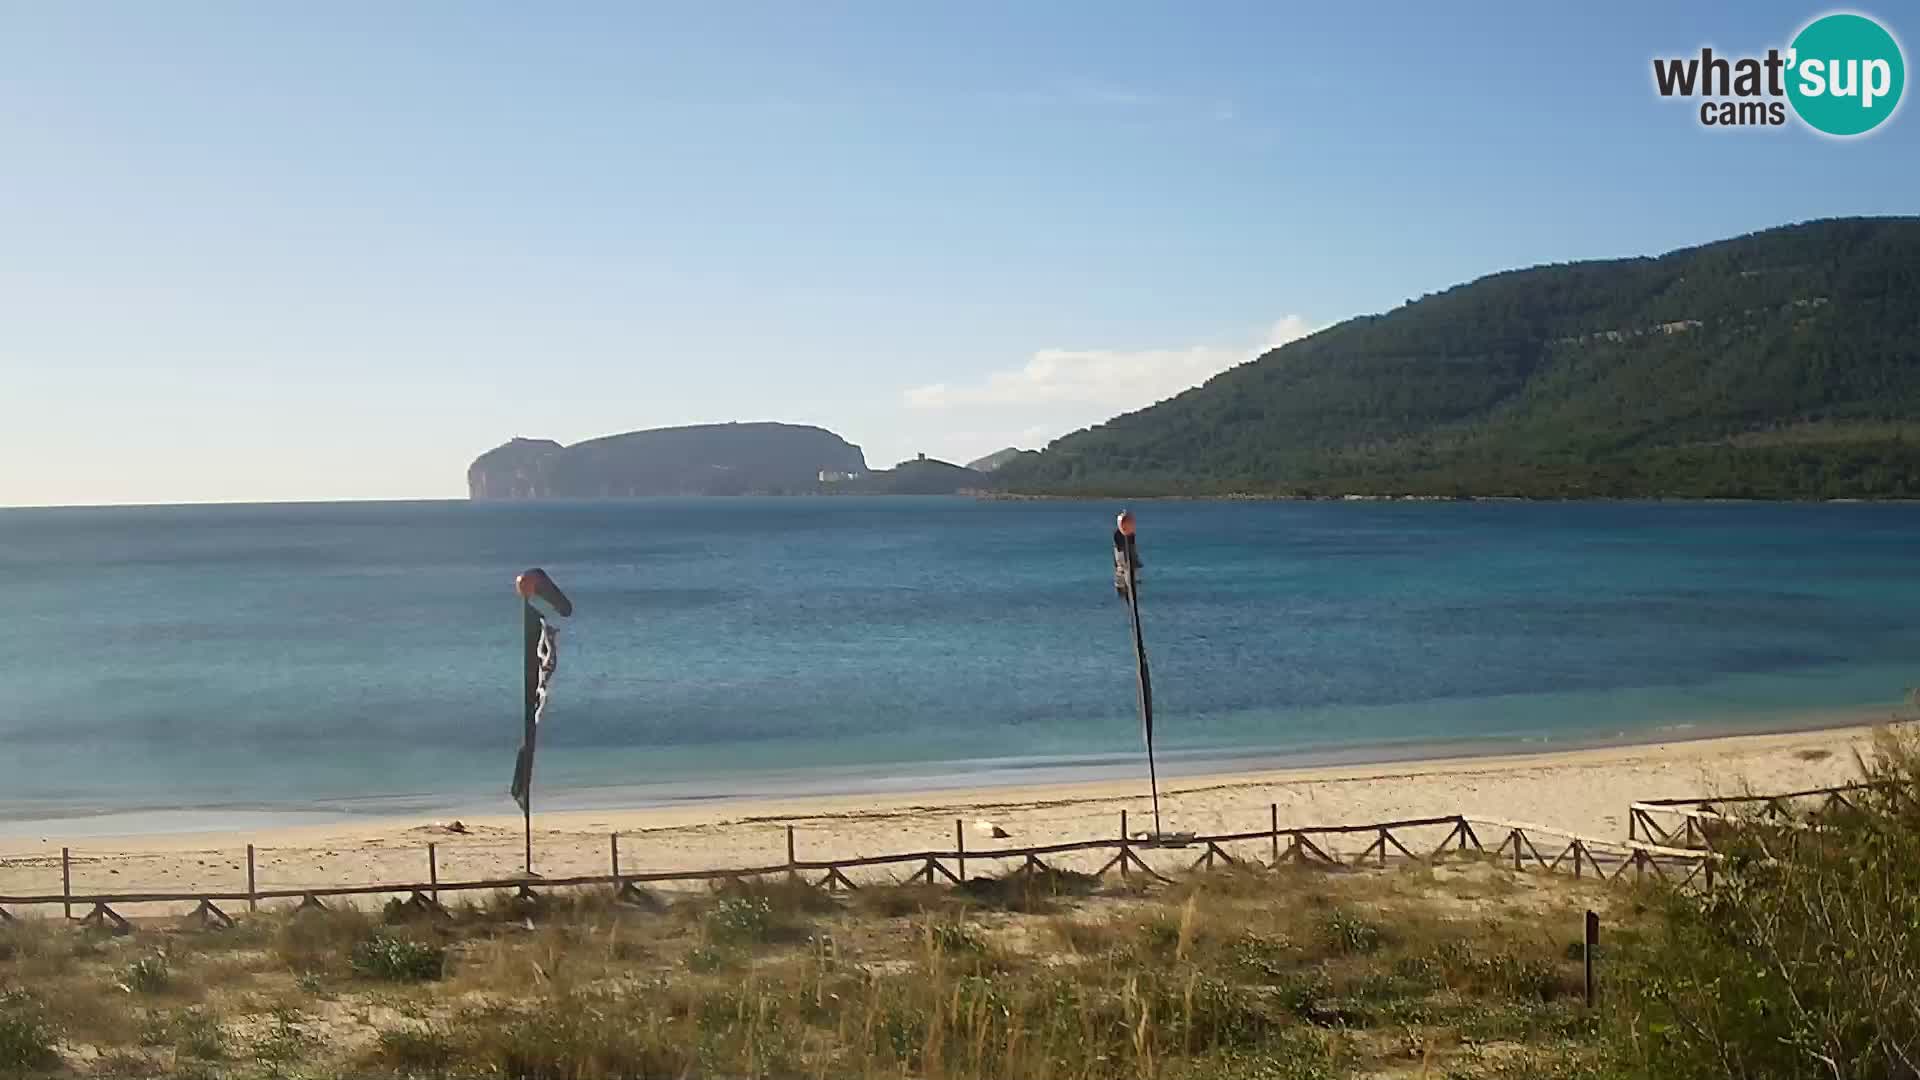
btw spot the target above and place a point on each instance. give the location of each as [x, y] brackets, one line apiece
[1845, 74]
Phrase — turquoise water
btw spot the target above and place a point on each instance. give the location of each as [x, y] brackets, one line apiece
[214, 664]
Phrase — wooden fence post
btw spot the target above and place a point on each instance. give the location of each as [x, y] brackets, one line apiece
[66, 881]
[1273, 826]
[1593, 944]
[253, 900]
[960, 845]
[613, 855]
[433, 870]
[790, 859]
[1123, 842]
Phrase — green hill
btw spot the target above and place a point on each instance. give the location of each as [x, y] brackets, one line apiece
[920, 476]
[1784, 364]
[998, 459]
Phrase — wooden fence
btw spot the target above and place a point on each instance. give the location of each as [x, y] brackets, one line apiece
[1388, 842]
[1690, 823]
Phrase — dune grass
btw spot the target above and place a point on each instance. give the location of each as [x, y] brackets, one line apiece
[1235, 974]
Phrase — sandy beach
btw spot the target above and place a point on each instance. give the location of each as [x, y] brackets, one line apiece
[1580, 791]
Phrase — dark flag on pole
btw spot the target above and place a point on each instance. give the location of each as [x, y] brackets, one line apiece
[546, 657]
[1126, 582]
[540, 657]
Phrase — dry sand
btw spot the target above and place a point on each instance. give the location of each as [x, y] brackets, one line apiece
[1581, 791]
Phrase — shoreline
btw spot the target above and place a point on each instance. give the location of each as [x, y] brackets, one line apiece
[1583, 791]
[1274, 496]
[884, 781]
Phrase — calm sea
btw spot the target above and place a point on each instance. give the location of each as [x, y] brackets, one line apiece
[211, 665]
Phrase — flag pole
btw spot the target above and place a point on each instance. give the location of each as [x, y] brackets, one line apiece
[1146, 699]
[530, 622]
[1126, 567]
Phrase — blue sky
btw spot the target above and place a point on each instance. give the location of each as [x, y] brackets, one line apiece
[253, 253]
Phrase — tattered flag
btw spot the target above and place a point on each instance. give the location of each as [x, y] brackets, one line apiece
[545, 658]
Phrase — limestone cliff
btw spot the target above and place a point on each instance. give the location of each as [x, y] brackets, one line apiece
[703, 459]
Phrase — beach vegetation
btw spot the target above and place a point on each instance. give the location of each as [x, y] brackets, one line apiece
[319, 942]
[415, 1049]
[27, 1036]
[193, 1032]
[149, 975]
[1803, 960]
[1795, 964]
[397, 959]
[1042, 974]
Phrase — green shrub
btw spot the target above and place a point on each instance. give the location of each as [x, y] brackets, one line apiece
[398, 959]
[1346, 933]
[735, 920]
[1258, 955]
[27, 1039]
[148, 975]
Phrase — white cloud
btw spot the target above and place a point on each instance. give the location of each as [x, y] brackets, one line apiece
[1061, 390]
[1118, 379]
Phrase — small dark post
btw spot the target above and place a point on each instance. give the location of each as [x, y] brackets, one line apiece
[253, 901]
[1273, 817]
[960, 846]
[1593, 945]
[790, 859]
[1123, 824]
[66, 881]
[613, 850]
[433, 870]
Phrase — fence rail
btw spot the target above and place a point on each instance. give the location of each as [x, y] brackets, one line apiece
[1389, 842]
[1648, 819]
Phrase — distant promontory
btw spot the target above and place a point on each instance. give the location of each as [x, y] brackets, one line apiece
[704, 459]
[701, 459]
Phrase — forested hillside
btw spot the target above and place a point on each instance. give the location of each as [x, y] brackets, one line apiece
[1784, 364]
